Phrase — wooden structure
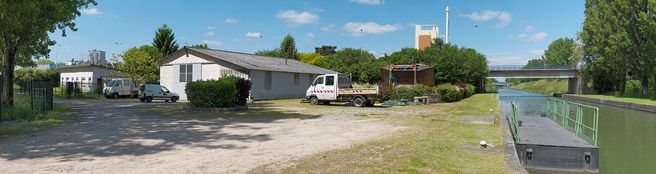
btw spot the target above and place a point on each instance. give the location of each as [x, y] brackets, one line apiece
[413, 74]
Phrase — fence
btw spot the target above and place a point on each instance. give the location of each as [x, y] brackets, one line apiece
[79, 89]
[583, 120]
[514, 122]
[34, 96]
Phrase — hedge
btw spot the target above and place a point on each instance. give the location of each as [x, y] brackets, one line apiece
[448, 92]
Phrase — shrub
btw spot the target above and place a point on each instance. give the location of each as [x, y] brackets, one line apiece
[449, 93]
[409, 92]
[471, 90]
[243, 91]
[212, 94]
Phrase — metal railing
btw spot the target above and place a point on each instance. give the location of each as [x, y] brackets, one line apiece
[514, 122]
[531, 67]
[580, 119]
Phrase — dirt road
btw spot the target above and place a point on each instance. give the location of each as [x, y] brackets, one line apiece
[125, 136]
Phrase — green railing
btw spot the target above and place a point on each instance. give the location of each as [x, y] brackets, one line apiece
[514, 122]
[580, 119]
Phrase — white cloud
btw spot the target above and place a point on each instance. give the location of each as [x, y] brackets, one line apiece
[532, 37]
[253, 34]
[230, 21]
[91, 11]
[310, 35]
[210, 33]
[211, 27]
[529, 28]
[368, 2]
[328, 28]
[213, 42]
[360, 28]
[294, 17]
[504, 18]
[514, 59]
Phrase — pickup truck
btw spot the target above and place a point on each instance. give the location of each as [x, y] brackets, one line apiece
[338, 88]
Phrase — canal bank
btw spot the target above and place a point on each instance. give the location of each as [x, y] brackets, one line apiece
[620, 104]
[626, 137]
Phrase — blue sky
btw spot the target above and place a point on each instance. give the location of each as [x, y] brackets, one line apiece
[508, 32]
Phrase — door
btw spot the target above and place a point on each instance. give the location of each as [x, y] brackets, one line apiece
[125, 88]
[329, 90]
[164, 93]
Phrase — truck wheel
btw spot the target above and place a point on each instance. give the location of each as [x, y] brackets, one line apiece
[149, 99]
[314, 100]
[115, 96]
[173, 99]
[358, 102]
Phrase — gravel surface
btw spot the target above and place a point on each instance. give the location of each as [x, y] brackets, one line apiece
[121, 136]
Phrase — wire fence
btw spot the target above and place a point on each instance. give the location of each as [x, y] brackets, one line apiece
[79, 89]
[29, 98]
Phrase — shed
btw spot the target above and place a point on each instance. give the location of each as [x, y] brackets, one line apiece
[412, 74]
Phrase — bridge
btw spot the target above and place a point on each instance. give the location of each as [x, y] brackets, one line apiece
[541, 71]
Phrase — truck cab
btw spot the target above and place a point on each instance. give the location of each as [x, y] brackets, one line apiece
[338, 88]
[120, 87]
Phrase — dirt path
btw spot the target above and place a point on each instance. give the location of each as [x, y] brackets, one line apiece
[120, 136]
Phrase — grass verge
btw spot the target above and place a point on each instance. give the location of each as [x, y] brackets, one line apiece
[45, 121]
[544, 86]
[646, 100]
[432, 143]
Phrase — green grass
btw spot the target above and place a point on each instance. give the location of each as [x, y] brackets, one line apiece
[430, 143]
[57, 92]
[646, 101]
[544, 86]
[50, 119]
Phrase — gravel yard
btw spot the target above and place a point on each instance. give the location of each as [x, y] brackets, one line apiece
[125, 136]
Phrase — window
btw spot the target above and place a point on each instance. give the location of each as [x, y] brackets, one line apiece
[186, 72]
[164, 90]
[319, 81]
[427, 27]
[126, 83]
[330, 80]
[296, 79]
[89, 78]
[267, 80]
[84, 78]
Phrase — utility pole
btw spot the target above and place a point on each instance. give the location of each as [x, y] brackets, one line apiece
[447, 24]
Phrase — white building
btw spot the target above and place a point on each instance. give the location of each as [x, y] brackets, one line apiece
[272, 78]
[88, 76]
[424, 35]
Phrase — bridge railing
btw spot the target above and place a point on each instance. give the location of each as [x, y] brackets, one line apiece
[514, 122]
[532, 67]
[580, 119]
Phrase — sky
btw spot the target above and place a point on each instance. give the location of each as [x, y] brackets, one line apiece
[508, 32]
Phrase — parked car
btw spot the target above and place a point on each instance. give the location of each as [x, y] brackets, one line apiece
[150, 92]
[338, 88]
[120, 87]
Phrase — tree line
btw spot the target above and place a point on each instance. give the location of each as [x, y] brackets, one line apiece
[452, 64]
[619, 44]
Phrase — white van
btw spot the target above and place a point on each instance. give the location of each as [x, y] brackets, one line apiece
[150, 92]
[120, 87]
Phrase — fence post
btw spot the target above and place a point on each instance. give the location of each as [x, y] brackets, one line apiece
[31, 94]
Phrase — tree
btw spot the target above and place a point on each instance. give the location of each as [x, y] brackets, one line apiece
[140, 63]
[325, 50]
[24, 33]
[43, 62]
[561, 52]
[313, 59]
[269, 53]
[200, 46]
[164, 40]
[288, 48]
[353, 61]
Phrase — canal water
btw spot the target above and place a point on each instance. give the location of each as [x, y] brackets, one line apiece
[627, 138]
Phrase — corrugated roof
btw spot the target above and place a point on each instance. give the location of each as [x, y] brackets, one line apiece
[255, 62]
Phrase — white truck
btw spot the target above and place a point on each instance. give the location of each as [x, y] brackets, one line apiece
[338, 88]
[120, 87]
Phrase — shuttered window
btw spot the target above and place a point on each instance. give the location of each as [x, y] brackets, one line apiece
[186, 73]
[297, 79]
[267, 80]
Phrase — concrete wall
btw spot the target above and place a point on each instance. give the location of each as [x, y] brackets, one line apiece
[87, 75]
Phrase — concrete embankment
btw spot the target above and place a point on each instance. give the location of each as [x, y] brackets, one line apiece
[620, 104]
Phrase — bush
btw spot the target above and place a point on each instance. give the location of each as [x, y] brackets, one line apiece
[471, 90]
[243, 91]
[409, 92]
[450, 93]
[212, 94]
